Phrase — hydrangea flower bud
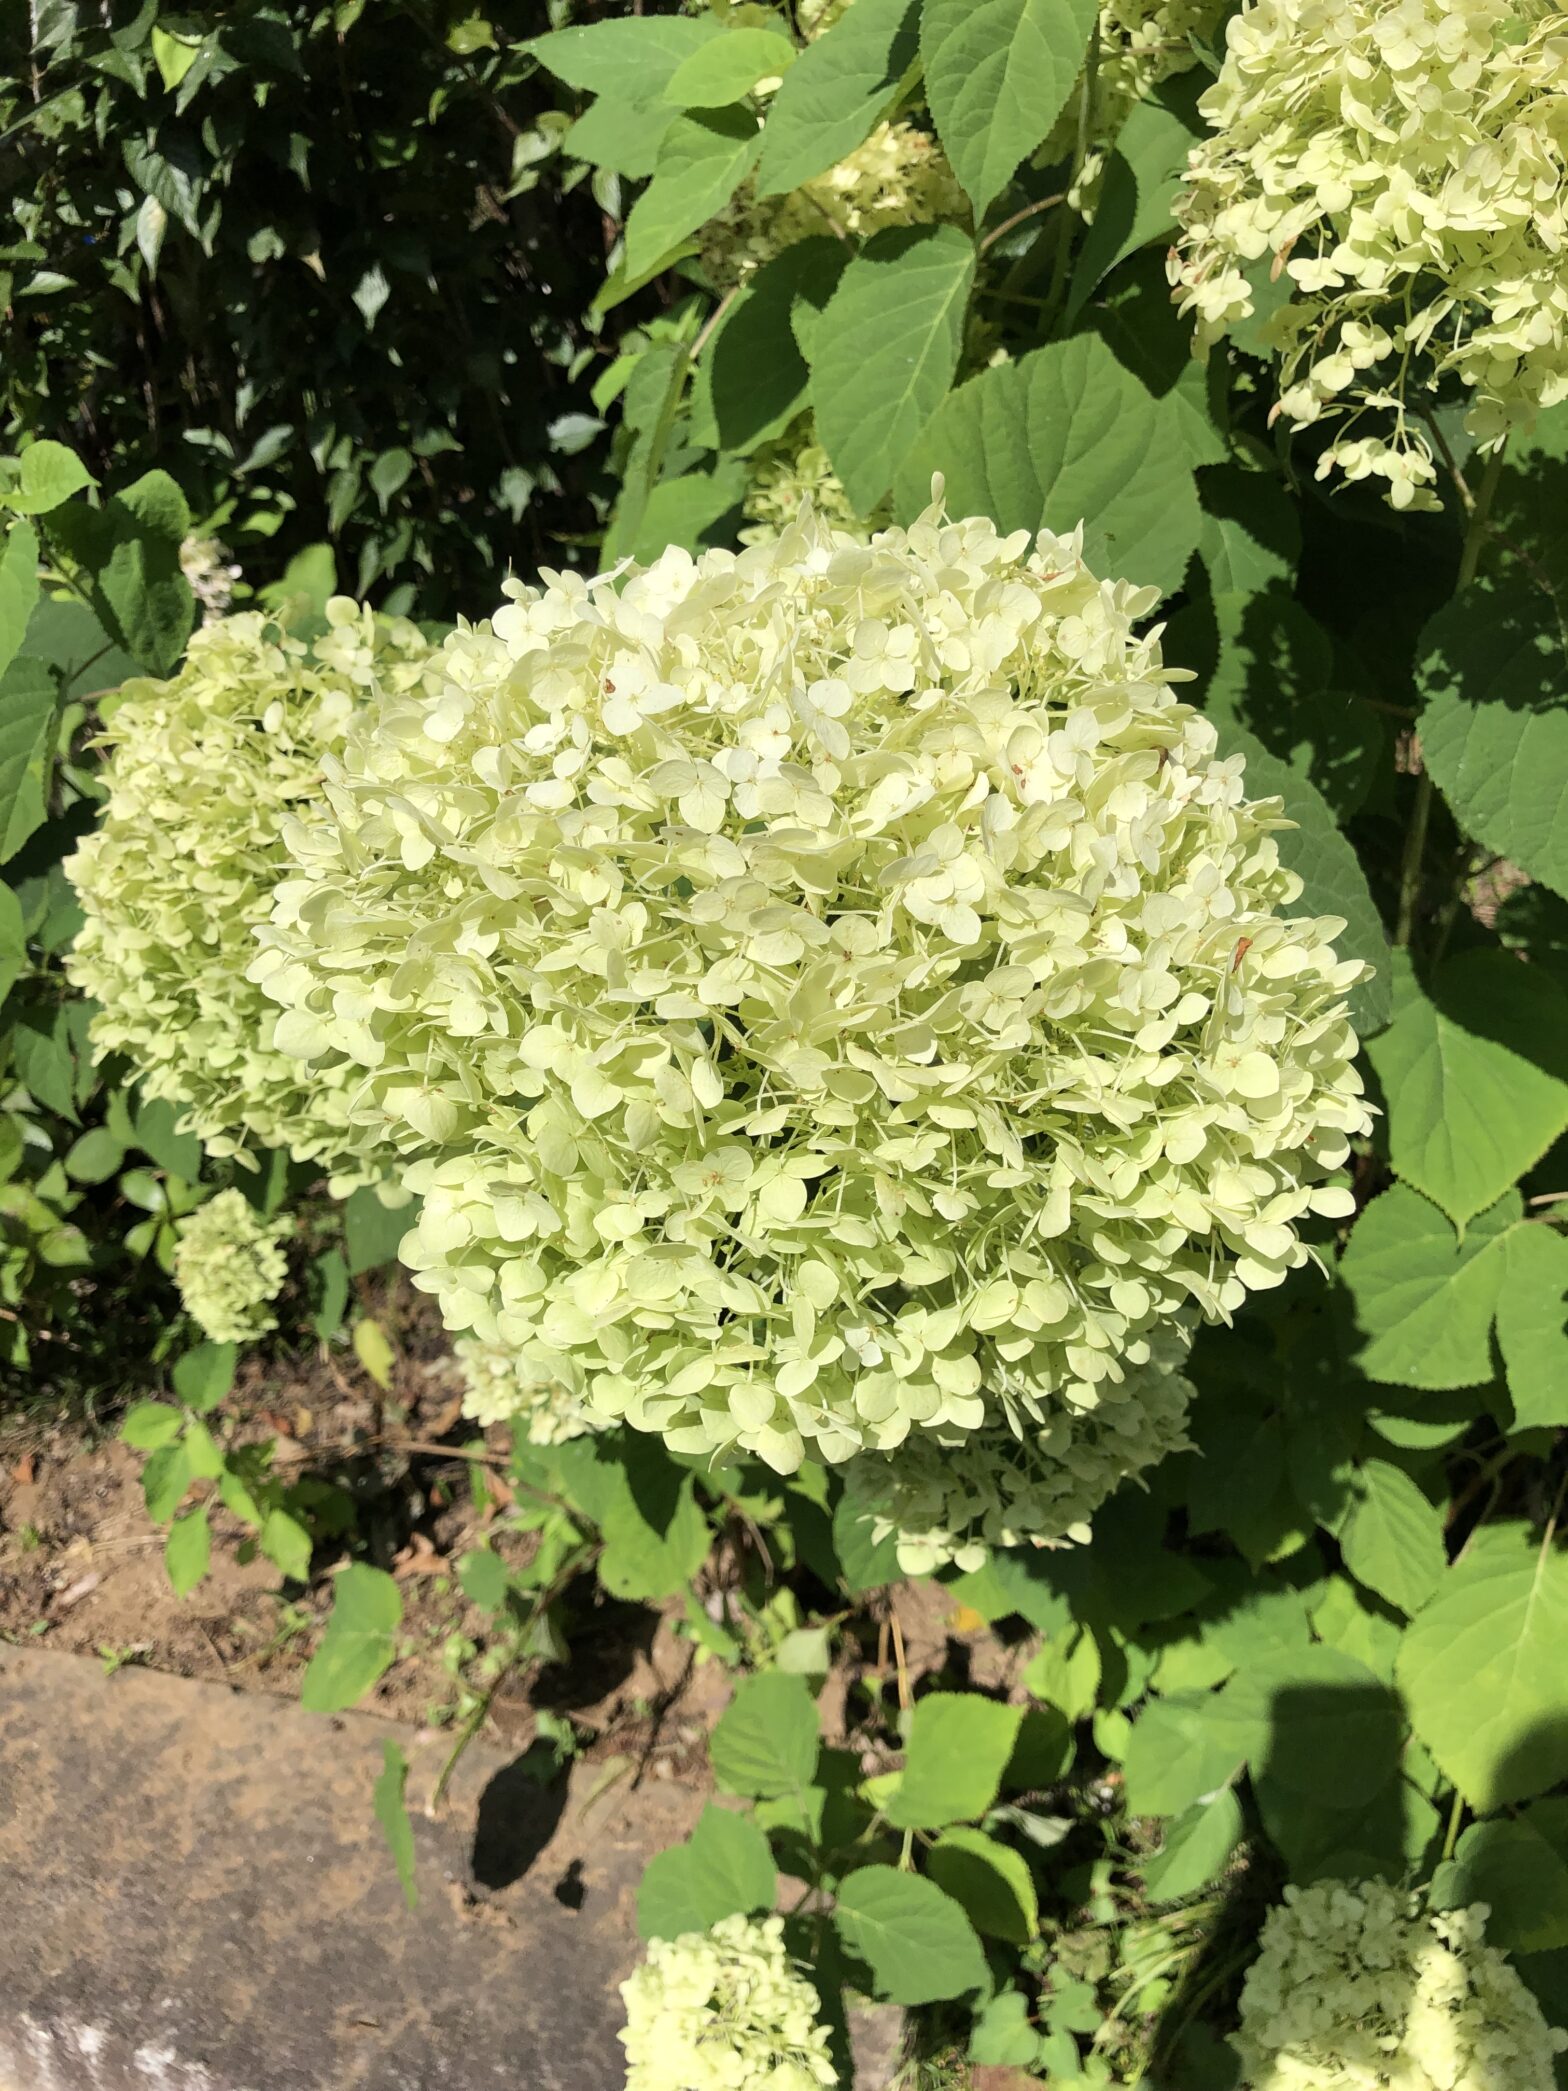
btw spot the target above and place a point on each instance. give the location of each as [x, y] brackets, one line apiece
[1354, 1985]
[724, 2010]
[1402, 167]
[229, 1266]
[181, 868]
[823, 994]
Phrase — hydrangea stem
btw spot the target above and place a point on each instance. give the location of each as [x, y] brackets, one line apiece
[1420, 818]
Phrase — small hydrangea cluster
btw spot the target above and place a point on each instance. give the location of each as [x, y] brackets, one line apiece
[1404, 166]
[500, 1388]
[229, 1266]
[785, 475]
[899, 176]
[956, 1501]
[724, 2010]
[823, 993]
[211, 573]
[1355, 1987]
[181, 868]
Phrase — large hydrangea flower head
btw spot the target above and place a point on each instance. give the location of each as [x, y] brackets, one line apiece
[824, 992]
[724, 2010]
[501, 1388]
[1356, 1988]
[230, 1266]
[181, 868]
[1403, 166]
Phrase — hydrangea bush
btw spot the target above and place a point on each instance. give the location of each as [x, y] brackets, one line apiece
[822, 993]
[1402, 167]
[201, 774]
[1356, 1985]
[724, 2010]
[230, 1266]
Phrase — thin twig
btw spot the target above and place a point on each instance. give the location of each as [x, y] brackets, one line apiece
[1030, 210]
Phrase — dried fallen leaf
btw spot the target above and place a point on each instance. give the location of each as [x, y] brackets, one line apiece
[419, 1558]
[25, 1471]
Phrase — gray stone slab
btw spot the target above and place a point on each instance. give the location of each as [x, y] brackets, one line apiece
[194, 1896]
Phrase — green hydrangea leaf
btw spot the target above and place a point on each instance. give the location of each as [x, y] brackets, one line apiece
[27, 735]
[752, 378]
[990, 1880]
[835, 91]
[917, 1942]
[48, 475]
[1392, 1537]
[997, 75]
[18, 589]
[1494, 728]
[1424, 1299]
[1476, 1077]
[187, 1552]
[630, 59]
[1196, 1846]
[1517, 1866]
[1143, 171]
[1251, 532]
[729, 66]
[1531, 1331]
[1481, 1667]
[724, 1869]
[1185, 1747]
[1066, 435]
[959, 1744]
[702, 159]
[359, 1644]
[885, 349]
[767, 1739]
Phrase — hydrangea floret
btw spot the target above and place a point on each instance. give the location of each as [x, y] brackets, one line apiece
[1356, 1988]
[1402, 167]
[784, 476]
[724, 2010]
[823, 993]
[181, 867]
[501, 1388]
[230, 1266]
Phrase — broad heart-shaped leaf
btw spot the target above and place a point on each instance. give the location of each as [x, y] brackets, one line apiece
[1424, 1299]
[1330, 1730]
[1185, 1747]
[1196, 1846]
[1519, 1868]
[630, 60]
[885, 349]
[728, 67]
[767, 1738]
[751, 380]
[1476, 1078]
[1532, 1327]
[1392, 1537]
[1494, 729]
[917, 1942]
[703, 157]
[1142, 174]
[13, 943]
[1251, 531]
[1272, 679]
[959, 1744]
[128, 552]
[27, 729]
[1066, 1672]
[990, 1880]
[49, 474]
[187, 1552]
[18, 588]
[835, 91]
[724, 1869]
[1482, 1667]
[686, 511]
[998, 73]
[359, 1643]
[1064, 436]
[621, 136]
[1332, 880]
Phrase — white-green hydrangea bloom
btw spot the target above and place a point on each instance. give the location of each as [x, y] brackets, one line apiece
[1403, 165]
[957, 1500]
[181, 868]
[498, 1388]
[823, 993]
[724, 2010]
[229, 1266]
[784, 476]
[898, 176]
[1356, 1989]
